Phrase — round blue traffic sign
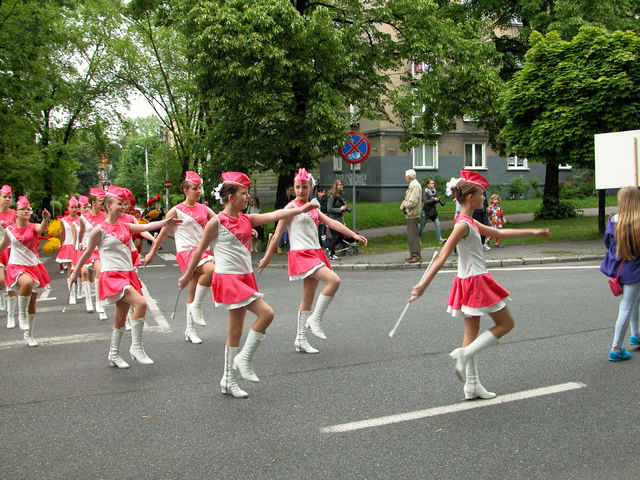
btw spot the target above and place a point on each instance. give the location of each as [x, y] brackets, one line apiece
[356, 148]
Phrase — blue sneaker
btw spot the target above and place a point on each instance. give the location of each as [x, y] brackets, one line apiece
[619, 356]
[635, 340]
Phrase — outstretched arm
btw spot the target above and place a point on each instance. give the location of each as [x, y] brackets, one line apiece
[92, 243]
[157, 243]
[339, 227]
[139, 228]
[282, 225]
[44, 224]
[512, 232]
[209, 235]
[262, 218]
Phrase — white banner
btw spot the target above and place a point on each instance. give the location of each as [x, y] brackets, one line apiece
[616, 156]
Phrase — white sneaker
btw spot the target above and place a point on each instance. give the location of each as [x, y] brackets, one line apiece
[486, 247]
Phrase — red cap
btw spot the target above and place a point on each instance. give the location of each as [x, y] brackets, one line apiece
[97, 192]
[82, 200]
[6, 189]
[471, 176]
[23, 202]
[73, 202]
[236, 178]
[117, 193]
[193, 178]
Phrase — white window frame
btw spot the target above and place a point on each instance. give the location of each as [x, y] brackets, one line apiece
[482, 165]
[424, 147]
[564, 166]
[419, 68]
[337, 163]
[516, 163]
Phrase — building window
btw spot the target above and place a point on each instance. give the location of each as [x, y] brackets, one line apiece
[474, 155]
[564, 166]
[515, 162]
[419, 68]
[337, 163]
[425, 156]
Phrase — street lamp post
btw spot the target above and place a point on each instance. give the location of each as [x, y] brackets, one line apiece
[146, 169]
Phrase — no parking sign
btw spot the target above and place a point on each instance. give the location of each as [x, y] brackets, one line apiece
[356, 148]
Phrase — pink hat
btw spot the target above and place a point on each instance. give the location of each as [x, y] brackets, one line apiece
[23, 202]
[236, 178]
[302, 176]
[193, 178]
[73, 202]
[118, 193]
[6, 189]
[471, 176]
[130, 196]
[83, 201]
[97, 192]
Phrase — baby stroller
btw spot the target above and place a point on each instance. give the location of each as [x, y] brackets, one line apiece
[347, 246]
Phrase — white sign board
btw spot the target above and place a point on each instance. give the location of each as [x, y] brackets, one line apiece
[616, 156]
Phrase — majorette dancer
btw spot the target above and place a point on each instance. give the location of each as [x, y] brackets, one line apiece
[307, 260]
[194, 218]
[474, 291]
[234, 285]
[91, 269]
[25, 273]
[7, 217]
[118, 282]
[83, 207]
[66, 254]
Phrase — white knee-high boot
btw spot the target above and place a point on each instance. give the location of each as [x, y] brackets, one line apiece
[228, 383]
[88, 300]
[314, 320]
[11, 311]
[137, 351]
[72, 292]
[115, 360]
[3, 299]
[23, 308]
[196, 305]
[28, 333]
[461, 356]
[243, 362]
[80, 290]
[472, 386]
[301, 343]
[190, 333]
[102, 315]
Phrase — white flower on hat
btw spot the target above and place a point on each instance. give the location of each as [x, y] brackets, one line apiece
[216, 192]
[450, 184]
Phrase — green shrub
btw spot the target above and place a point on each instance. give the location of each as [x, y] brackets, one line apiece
[556, 210]
[518, 188]
[578, 186]
[534, 184]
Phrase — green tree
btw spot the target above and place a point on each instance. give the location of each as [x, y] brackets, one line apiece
[566, 92]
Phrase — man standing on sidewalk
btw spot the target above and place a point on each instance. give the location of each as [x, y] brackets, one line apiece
[411, 207]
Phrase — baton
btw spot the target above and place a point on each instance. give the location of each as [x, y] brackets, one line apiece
[64, 309]
[406, 307]
[173, 314]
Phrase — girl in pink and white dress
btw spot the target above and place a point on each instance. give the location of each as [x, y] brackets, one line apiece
[91, 269]
[234, 285]
[474, 291]
[118, 282]
[7, 217]
[307, 260]
[194, 218]
[83, 207]
[25, 273]
[66, 255]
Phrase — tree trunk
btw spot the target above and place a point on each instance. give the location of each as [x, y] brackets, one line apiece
[551, 185]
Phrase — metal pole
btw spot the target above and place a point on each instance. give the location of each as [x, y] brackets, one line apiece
[146, 170]
[353, 186]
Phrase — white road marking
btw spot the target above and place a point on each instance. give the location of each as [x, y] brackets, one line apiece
[168, 257]
[456, 407]
[78, 338]
[154, 310]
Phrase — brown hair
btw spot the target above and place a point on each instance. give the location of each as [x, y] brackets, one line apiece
[493, 197]
[628, 227]
[226, 190]
[462, 189]
[334, 188]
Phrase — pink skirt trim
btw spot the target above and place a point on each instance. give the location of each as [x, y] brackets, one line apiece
[4, 257]
[66, 254]
[89, 263]
[303, 263]
[113, 284]
[39, 274]
[184, 257]
[475, 292]
[135, 258]
[232, 288]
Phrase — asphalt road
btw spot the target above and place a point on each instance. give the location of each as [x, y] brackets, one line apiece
[566, 411]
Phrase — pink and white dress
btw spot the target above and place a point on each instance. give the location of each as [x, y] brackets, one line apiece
[24, 258]
[6, 219]
[90, 221]
[188, 234]
[234, 284]
[305, 254]
[67, 249]
[135, 255]
[474, 291]
[117, 274]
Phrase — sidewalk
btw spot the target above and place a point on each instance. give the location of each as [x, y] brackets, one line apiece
[510, 255]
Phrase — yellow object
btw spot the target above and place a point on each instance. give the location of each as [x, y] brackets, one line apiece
[55, 229]
[52, 245]
[153, 213]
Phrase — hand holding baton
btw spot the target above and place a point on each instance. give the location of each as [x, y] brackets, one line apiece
[406, 307]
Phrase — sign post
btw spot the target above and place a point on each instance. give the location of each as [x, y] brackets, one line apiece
[355, 150]
[167, 186]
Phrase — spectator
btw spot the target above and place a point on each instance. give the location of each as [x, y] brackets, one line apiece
[336, 206]
[429, 210]
[411, 206]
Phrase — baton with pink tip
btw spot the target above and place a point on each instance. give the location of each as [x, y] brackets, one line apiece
[406, 307]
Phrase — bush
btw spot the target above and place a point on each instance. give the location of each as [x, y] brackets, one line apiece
[534, 184]
[556, 210]
[578, 186]
[518, 188]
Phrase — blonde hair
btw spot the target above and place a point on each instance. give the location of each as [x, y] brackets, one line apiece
[628, 227]
[462, 189]
[493, 197]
